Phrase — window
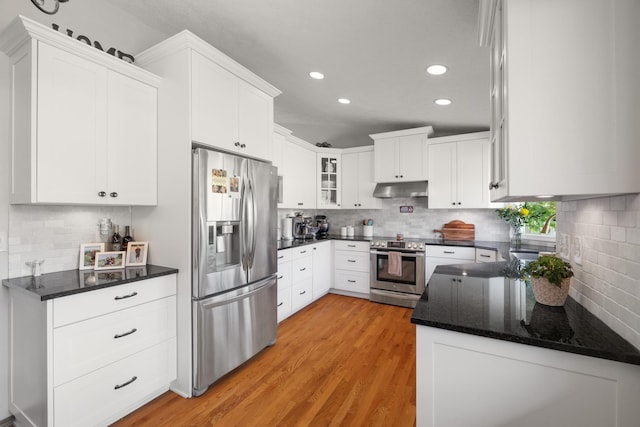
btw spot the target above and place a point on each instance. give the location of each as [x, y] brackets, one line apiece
[541, 223]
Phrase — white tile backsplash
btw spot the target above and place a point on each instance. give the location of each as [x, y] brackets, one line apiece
[54, 233]
[607, 282]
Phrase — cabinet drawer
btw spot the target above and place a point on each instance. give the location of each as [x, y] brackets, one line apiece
[355, 261]
[301, 294]
[486, 255]
[302, 252]
[104, 396]
[455, 252]
[284, 303]
[301, 269]
[284, 275]
[284, 255]
[354, 281]
[349, 245]
[82, 347]
[96, 303]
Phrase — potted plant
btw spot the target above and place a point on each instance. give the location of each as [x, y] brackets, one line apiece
[550, 279]
[516, 217]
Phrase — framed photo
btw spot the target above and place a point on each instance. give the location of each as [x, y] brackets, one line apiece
[137, 253]
[109, 260]
[88, 255]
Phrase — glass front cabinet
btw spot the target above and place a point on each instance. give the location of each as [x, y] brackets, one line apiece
[328, 181]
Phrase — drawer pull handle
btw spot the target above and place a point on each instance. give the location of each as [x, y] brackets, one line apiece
[303, 292]
[485, 256]
[303, 268]
[281, 256]
[132, 294]
[351, 281]
[279, 277]
[125, 384]
[280, 305]
[351, 246]
[351, 260]
[116, 336]
[303, 252]
[449, 252]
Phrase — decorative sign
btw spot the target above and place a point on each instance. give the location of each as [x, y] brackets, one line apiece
[406, 209]
[50, 7]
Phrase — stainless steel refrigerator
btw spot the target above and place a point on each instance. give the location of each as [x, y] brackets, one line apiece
[234, 262]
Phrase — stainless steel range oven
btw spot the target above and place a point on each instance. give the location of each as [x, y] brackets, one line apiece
[397, 271]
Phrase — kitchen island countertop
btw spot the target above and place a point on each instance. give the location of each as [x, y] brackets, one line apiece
[485, 300]
[70, 282]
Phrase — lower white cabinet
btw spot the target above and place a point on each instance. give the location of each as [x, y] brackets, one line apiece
[91, 358]
[446, 255]
[486, 255]
[304, 275]
[352, 267]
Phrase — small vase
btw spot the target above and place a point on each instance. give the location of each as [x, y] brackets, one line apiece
[516, 236]
[549, 294]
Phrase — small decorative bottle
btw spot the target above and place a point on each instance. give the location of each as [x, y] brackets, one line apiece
[116, 240]
[127, 238]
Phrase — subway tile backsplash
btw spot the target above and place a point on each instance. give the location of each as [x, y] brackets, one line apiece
[54, 233]
[604, 248]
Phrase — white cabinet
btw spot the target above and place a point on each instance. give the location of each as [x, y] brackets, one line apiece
[486, 255]
[227, 112]
[459, 171]
[298, 176]
[328, 180]
[84, 122]
[91, 358]
[401, 156]
[358, 181]
[447, 255]
[352, 267]
[322, 268]
[564, 119]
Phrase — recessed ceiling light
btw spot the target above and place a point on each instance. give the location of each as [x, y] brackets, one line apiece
[316, 75]
[344, 101]
[436, 69]
[442, 101]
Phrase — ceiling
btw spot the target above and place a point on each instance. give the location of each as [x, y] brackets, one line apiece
[373, 52]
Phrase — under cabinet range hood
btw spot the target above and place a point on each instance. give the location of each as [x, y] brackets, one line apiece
[388, 190]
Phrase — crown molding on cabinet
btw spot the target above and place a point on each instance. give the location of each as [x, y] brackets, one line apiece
[187, 40]
[405, 132]
[486, 13]
[21, 30]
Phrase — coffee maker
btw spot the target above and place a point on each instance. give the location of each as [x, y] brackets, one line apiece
[303, 227]
[323, 226]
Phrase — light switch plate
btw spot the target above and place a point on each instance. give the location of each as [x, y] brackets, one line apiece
[577, 250]
[564, 246]
[3, 241]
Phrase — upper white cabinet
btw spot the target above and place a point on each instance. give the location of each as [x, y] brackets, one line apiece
[358, 181]
[564, 98]
[84, 123]
[401, 155]
[459, 171]
[227, 112]
[298, 172]
[328, 180]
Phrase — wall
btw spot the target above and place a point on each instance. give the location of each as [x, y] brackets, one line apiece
[388, 221]
[607, 281]
[54, 233]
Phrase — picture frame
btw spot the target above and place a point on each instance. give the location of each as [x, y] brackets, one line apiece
[88, 255]
[137, 253]
[110, 260]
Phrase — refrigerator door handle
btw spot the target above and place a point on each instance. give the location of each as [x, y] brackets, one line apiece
[227, 299]
[252, 221]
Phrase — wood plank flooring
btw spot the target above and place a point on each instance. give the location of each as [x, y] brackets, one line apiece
[340, 361]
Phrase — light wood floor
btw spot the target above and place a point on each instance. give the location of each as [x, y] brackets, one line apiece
[341, 361]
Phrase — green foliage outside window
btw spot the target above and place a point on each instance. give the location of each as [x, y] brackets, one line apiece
[539, 214]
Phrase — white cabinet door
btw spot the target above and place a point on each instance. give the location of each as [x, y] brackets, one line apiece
[255, 121]
[329, 169]
[214, 104]
[358, 181]
[350, 181]
[442, 175]
[299, 179]
[132, 141]
[472, 172]
[386, 159]
[322, 269]
[72, 128]
[412, 157]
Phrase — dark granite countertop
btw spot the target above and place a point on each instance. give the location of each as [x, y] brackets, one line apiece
[484, 299]
[70, 282]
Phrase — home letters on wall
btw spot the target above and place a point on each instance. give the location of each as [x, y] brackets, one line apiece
[50, 7]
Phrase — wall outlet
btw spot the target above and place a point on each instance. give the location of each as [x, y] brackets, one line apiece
[564, 246]
[577, 250]
[3, 241]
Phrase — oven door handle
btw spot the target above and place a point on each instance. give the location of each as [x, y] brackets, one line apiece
[404, 254]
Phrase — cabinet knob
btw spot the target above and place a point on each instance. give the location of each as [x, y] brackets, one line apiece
[453, 203]
[459, 203]
[397, 176]
[102, 194]
[401, 176]
[300, 203]
[243, 146]
[237, 144]
[493, 185]
[113, 194]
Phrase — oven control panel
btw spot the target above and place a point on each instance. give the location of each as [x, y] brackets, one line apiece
[415, 246]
